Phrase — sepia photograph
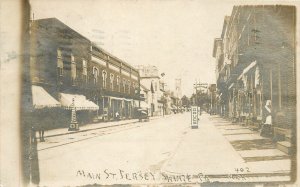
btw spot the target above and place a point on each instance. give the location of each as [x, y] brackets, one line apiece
[154, 93]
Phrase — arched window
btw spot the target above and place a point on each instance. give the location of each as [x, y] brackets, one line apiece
[84, 70]
[96, 74]
[60, 65]
[118, 83]
[111, 78]
[129, 84]
[73, 70]
[124, 85]
[104, 76]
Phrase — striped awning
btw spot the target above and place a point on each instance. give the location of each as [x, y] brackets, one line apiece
[248, 68]
[42, 99]
[80, 102]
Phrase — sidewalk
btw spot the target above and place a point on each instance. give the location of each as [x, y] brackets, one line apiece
[93, 126]
[219, 148]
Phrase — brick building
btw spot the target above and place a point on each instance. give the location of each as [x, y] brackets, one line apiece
[255, 62]
[64, 65]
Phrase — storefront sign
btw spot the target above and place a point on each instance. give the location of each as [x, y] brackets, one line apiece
[194, 117]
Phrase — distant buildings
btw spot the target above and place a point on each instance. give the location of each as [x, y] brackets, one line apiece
[255, 62]
[160, 100]
[151, 80]
[65, 65]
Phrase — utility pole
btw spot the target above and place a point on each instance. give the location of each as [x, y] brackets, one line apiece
[196, 86]
[163, 96]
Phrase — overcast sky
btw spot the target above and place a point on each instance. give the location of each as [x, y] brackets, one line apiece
[174, 35]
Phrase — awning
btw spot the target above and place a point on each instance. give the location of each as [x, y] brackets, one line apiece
[129, 100]
[80, 102]
[117, 98]
[42, 99]
[247, 69]
[120, 98]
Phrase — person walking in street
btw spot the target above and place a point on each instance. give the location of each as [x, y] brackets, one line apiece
[266, 129]
[41, 119]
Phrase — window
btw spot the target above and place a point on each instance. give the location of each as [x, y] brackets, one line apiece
[60, 64]
[96, 74]
[111, 78]
[84, 70]
[84, 67]
[118, 83]
[129, 84]
[155, 87]
[104, 76]
[73, 70]
[124, 85]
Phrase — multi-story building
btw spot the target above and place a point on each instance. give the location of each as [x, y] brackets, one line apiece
[66, 66]
[113, 83]
[255, 62]
[150, 78]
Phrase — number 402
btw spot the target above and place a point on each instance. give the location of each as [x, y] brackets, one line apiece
[242, 170]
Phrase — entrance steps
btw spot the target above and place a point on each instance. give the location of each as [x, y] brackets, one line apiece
[284, 146]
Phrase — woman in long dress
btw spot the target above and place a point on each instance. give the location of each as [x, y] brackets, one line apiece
[266, 129]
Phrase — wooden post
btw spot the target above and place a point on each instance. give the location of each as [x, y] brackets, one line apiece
[102, 105]
[271, 86]
[113, 108]
[279, 87]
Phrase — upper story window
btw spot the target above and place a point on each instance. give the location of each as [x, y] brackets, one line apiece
[104, 76]
[84, 70]
[118, 82]
[73, 70]
[129, 84]
[60, 64]
[96, 74]
[84, 67]
[124, 85]
[111, 78]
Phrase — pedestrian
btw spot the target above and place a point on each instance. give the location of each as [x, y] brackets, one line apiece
[266, 129]
[40, 124]
[117, 115]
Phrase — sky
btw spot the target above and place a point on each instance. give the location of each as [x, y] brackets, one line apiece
[174, 35]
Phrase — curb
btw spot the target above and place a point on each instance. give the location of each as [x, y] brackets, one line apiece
[85, 130]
